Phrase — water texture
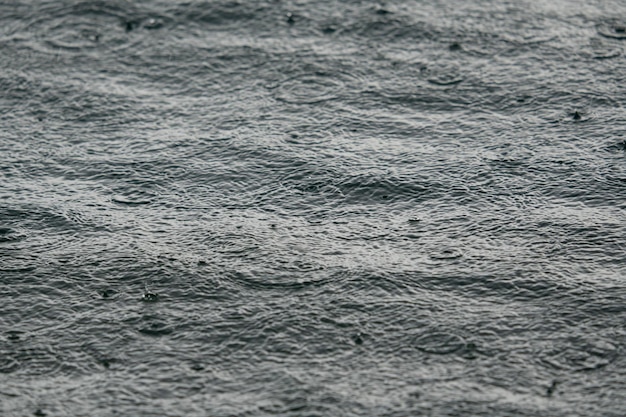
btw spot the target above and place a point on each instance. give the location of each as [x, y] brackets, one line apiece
[312, 208]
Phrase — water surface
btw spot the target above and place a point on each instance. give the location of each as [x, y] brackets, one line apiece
[312, 208]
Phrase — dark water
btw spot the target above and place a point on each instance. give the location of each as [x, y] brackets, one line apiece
[312, 208]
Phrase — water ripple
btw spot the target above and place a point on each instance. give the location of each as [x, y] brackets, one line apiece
[612, 28]
[83, 27]
[309, 88]
[581, 355]
[311, 208]
[438, 343]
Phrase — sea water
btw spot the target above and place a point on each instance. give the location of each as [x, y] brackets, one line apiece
[312, 208]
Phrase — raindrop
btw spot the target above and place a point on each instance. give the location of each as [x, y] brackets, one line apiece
[550, 390]
[131, 25]
[612, 28]
[152, 24]
[150, 297]
[446, 254]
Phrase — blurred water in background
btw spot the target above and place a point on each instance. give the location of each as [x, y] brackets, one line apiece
[326, 208]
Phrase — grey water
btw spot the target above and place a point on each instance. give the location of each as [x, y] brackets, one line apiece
[312, 208]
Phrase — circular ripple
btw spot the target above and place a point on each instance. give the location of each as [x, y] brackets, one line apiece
[268, 280]
[439, 343]
[612, 28]
[309, 89]
[129, 200]
[600, 49]
[84, 27]
[442, 75]
[155, 329]
[581, 355]
[446, 254]
[606, 54]
[570, 116]
[133, 198]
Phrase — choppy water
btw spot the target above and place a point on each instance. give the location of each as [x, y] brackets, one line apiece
[306, 207]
